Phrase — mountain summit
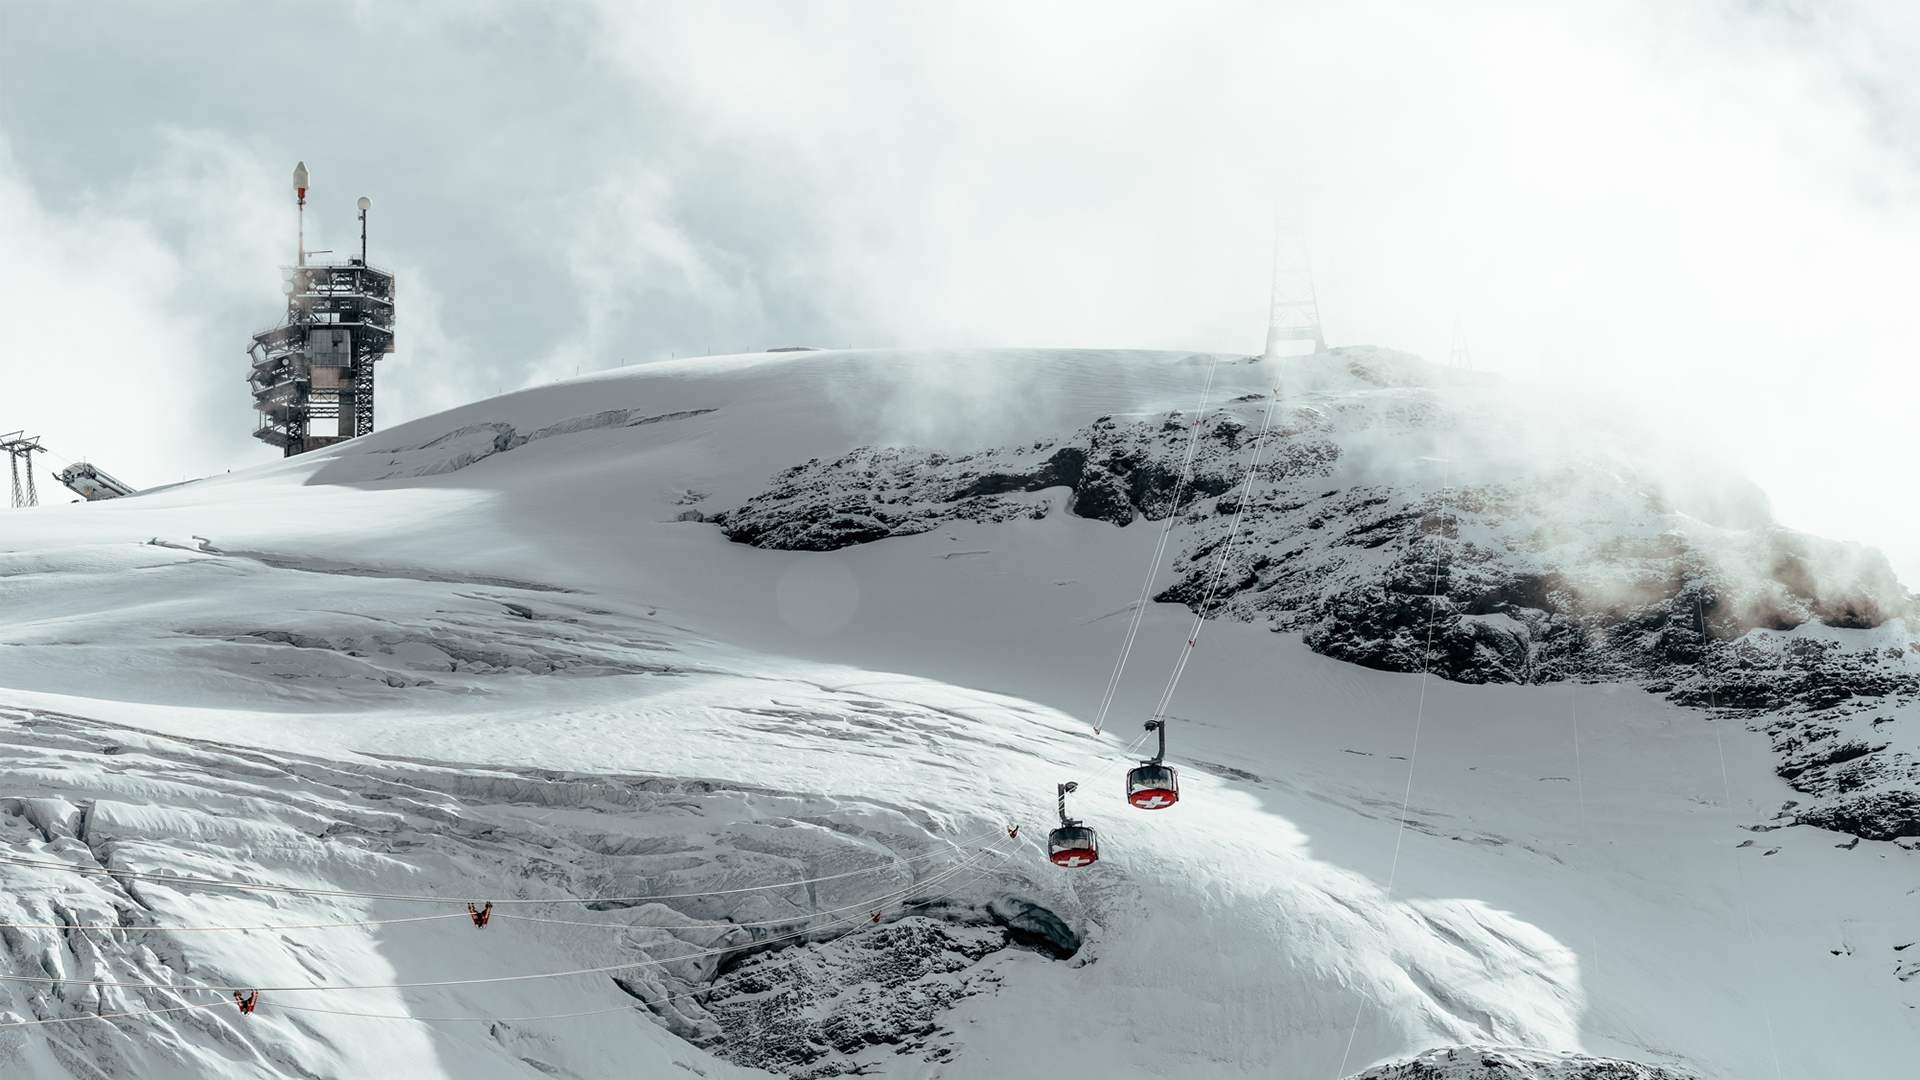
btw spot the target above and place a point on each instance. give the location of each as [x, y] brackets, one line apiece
[734, 695]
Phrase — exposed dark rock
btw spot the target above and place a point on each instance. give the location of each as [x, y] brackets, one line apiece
[1515, 1063]
[810, 1011]
[1585, 570]
[1114, 472]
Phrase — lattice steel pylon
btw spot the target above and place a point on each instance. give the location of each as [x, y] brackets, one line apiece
[20, 448]
[1459, 357]
[1294, 312]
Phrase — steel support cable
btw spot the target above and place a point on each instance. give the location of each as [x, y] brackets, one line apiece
[642, 1002]
[241, 886]
[693, 926]
[1413, 756]
[956, 868]
[401, 1016]
[112, 1016]
[1220, 566]
[1739, 875]
[192, 929]
[1101, 772]
[1159, 552]
[432, 918]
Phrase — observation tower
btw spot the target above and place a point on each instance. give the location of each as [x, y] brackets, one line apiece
[312, 376]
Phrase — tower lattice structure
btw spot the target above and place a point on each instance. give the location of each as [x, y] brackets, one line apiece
[312, 376]
[20, 448]
[315, 370]
[1294, 312]
[1458, 357]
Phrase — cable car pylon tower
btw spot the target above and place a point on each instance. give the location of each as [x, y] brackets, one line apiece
[20, 448]
[1293, 312]
[1458, 357]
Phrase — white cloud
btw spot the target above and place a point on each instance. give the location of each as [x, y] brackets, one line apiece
[1704, 210]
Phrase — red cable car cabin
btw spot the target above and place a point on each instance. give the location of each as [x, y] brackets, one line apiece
[1154, 785]
[1072, 844]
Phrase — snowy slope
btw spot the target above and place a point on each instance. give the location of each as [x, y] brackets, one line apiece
[481, 655]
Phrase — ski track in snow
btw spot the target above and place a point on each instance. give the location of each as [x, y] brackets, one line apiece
[508, 670]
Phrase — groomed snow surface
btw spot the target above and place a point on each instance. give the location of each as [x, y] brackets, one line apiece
[491, 655]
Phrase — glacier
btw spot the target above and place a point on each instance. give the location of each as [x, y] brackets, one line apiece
[792, 639]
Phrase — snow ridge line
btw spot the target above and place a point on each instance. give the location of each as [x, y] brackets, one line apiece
[1159, 552]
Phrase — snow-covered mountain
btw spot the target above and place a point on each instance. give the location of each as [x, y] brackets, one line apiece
[743, 651]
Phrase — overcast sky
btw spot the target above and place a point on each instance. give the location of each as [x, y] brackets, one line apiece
[1707, 211]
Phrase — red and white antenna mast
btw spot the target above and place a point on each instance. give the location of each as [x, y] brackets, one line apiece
[300, 191]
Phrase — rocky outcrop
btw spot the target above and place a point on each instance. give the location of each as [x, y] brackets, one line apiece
[1110, 471]
[792, 977]
[1571, 560]
[818, 1010]
[1515, 1063]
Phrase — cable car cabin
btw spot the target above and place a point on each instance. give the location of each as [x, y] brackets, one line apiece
[1073, 845]
[1153, 787]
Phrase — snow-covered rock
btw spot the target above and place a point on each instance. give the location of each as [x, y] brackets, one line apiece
[1582, 557]
[496, 654]
[1509, 1063]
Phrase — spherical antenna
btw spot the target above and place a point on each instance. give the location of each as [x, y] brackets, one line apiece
[287, 287]
[366, 203]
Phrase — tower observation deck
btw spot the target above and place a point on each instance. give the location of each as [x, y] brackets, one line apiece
[312, 376]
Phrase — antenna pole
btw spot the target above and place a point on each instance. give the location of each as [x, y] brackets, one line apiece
[363, 235]
[300, 192]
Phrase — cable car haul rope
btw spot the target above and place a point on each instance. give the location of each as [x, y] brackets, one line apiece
[1154, 784]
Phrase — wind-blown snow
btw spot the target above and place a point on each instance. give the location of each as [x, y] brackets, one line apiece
[498, 619]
